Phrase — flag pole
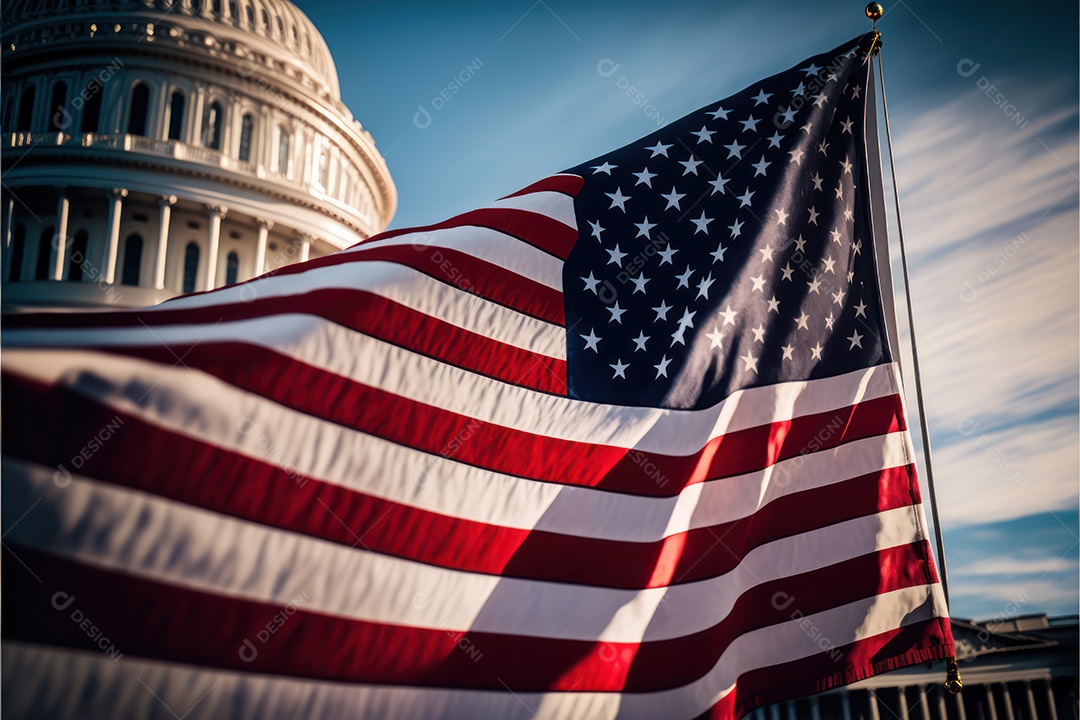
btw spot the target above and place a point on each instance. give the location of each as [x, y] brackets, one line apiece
[953, 682]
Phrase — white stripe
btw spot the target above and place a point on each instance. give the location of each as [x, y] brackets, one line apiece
[486, 244]
[130, 531]
[78, 685]
[371, 362]
[555, 205]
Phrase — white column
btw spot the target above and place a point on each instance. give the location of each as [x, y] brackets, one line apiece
[108, 264]
[60, 239]
[165, 203]
[305, 246]
[9, 226]
[217, 213]
[265, 226]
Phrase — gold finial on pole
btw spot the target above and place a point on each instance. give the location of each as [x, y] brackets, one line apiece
[874, 11]
[953, 683]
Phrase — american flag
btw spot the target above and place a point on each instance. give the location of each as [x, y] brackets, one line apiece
[627, 443]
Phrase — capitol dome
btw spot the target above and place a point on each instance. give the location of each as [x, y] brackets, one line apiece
[159, 147]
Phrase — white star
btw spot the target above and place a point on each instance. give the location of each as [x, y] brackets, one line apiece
[759, 333]
[684, 279]
[847, 166]
[718, 184]
[856, 340]
[855, 91]
[673, 199]
[640, 341]
[808, 127]
[789, 117]
[781, 216]
[620, 369]
[702, 223]
[812, 69]
[591, 283]
[615, 256]
[617, 198]
[787, 270]
[644, 177]
[596, 229]
[662, 311]
[719, 114]
[796, 155]
[800, 90]
[829, 263]
[801, 321]
[823, 148]
[835, 232]
[661, 369]
[800, 244]
[591, 341]
[815, 286]
[857, 247]
[729, 315]
[687, 319]
[774, 141]
[639, 283]
[677, 336]
[838, 297]
[704, 135]
[718, 253]
[744, 199]
[850, 276]
[644, 227]
[736, 229]
[751, 362]
[848, 215]
[860, 309]
[760, 166]
[762, 97]
[774, 305]
[616, 313]
[716, 338]
[816, 179]
[813, 215]
[847, 126]
[820, 99]
[605, 168]
[667, 254]
[766, 253]
[734, 150]
[658, 149]
[829, 322]
[759, 283]
[750, 123]
[704, 285]
[839, 192]
[690, 165]
[787, 352]
[816, 350]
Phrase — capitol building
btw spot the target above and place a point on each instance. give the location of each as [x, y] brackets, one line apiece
[158, 147]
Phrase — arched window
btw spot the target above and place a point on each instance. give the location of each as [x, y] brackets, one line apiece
[191, 266]
[76, 258]
[176, 115]
[215, 7]
[140, 105]
[91, 115]
[197, 6]
[249, 13]
[133, 247]
[59, 118]
[212, 126]
[44, 256]
[280, 27]
[26, 109]
[18, 249]
[247, 126]
[265, 16]
[232, 268]
[283, 150]
[292, 30]
[324, 169]
[234, 12]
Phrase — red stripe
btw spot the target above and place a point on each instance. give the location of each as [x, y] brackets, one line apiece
[263, 492]
[147, 618]
[566, 184]
[358, 310]
[516, 452]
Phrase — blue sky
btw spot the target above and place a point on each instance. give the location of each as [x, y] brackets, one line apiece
[471, 101]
